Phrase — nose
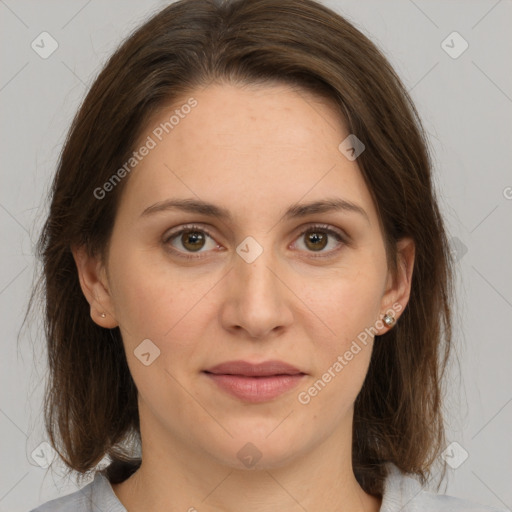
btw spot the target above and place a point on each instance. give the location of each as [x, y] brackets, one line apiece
[257, 302]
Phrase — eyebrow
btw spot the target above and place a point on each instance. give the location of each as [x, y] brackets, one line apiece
[199, 206]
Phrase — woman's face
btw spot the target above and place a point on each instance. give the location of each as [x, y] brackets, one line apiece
[268, 271]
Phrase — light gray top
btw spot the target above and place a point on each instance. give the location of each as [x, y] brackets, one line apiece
[402, 493]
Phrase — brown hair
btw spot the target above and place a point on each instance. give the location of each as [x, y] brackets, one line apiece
[91, 399]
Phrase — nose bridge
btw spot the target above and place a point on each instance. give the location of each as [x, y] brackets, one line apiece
[257, 302]
[253, 266]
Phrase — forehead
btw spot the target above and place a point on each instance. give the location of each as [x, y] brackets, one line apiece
[248, 148]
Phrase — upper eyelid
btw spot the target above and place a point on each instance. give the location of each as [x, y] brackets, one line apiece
[191, 227]
[185, 227]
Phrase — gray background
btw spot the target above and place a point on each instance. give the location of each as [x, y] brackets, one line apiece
[466, 105]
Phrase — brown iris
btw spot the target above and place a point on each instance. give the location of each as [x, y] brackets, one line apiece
[193, 240]
[316, 240]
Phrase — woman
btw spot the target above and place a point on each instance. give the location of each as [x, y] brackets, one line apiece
[247, 277]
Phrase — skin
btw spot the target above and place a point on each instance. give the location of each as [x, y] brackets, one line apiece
[255, 151]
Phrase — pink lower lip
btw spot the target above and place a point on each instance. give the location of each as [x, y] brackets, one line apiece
[256, 389]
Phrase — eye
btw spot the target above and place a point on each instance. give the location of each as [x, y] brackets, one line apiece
[191, 239]
[316, 238]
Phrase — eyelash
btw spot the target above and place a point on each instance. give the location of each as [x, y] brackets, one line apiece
[340, 237]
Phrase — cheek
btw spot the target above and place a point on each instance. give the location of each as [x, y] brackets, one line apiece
[349, 307]
[358, 302]
[153, 300]
[142, 301]
[344, 305]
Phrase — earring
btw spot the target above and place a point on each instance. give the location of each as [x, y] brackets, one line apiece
[103, 315]
[389, 320]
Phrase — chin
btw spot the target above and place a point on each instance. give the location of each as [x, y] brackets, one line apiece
[256, 451]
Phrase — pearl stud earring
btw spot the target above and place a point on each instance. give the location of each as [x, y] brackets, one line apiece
[389, 320]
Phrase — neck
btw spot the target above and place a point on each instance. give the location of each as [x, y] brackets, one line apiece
[179, 476]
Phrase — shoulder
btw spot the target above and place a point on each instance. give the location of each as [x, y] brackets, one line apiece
[403, 492]
[97, 495]
[428, 501]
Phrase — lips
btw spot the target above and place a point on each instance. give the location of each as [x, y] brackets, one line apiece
[244, 368]
[255, 383]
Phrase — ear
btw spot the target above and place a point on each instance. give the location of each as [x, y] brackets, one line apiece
[94, 284]
[398, 287]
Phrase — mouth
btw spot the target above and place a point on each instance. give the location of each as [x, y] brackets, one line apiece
[255, 383]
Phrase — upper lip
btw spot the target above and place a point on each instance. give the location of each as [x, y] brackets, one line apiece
[247, 369]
